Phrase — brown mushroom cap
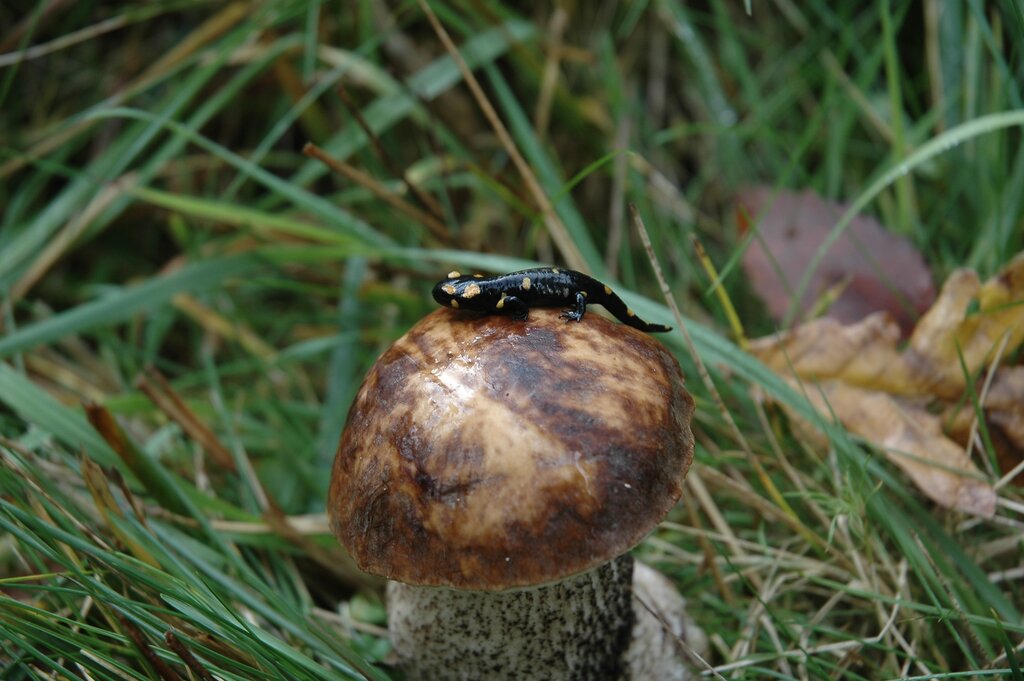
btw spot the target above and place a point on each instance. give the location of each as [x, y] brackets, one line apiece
[488, 453]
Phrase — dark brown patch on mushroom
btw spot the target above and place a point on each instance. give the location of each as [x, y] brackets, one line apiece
[487, 452]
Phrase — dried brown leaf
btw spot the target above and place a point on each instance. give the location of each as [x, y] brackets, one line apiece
[878, 390]
[873, 269]
[865, 353]
[951, 329]
[913, 440]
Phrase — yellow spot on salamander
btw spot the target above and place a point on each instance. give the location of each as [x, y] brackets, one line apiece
[554, 270]
[455, 303]
[501, 303]
[478, 276]
[471, 290]
[526, 283]
[454, 273]
[607, 290]
[584, 293]
[630, 312]
[449, 289]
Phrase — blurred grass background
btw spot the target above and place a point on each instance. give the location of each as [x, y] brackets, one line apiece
[171, 258]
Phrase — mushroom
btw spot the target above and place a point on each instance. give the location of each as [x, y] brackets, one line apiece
[498, 471]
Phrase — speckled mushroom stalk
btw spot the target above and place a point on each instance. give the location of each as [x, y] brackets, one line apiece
[578, 628]
[620, 620]
[499, 471]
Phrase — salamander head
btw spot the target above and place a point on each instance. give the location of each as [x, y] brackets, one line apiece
[453, 288]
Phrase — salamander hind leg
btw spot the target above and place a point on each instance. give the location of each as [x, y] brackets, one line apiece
[576, 313]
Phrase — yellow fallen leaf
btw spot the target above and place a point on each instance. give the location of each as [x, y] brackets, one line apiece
[867, 381]
[913, 440]
[950, 326]
[866, 353]
[863, 353]
[1004, 403]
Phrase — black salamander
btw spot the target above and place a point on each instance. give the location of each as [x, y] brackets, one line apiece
[515, 293]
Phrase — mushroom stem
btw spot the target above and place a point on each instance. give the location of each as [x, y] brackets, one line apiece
[579, 628]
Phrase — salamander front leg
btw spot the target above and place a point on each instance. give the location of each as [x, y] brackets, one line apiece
[513, 306]
[576, 314]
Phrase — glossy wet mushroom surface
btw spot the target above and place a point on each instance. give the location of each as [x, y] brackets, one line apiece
[487, 453]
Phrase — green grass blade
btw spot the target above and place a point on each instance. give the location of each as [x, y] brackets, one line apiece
[124, 303]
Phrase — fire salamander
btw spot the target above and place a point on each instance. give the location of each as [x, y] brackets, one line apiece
[516, 292]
